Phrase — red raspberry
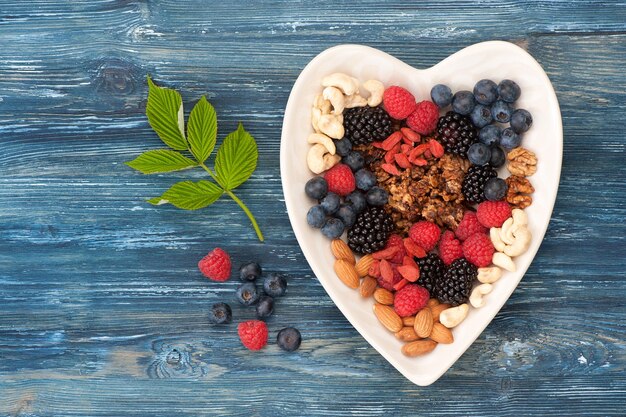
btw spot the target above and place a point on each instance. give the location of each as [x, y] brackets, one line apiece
[493, 213]
[340, 179]
[469, 225]
[387, 284]
[396, 242]
[398, 102]
[450, 248]
[216, 265]
[478, 249]
[410, 299]
[425, 234]
[253, 334]
[424, 118]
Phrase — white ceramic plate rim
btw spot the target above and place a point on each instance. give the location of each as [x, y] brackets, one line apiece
[508, 61]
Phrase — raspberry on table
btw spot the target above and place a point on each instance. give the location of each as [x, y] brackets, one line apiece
[424, 118]
[425, 234]
[410, 299]
[340, 180]
[450, 248]
[478, 249]
[493, 213]
[216, 265]
[253, 334]
[469, 225]
[398, 102]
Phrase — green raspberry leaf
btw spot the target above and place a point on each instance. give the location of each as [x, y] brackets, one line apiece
[236, 159]
[202, 129]
[165, 115]
[161, 160]
[189, 195]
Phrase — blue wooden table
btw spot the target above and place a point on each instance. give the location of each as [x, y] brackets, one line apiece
[102, 309]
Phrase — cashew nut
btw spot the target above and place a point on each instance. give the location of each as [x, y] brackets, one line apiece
[315, 118]
[330, 161]
[355, 100]
[504, 261]
[519, 217]
[331, 126]
[321, 103]
[322, 140]
[506, 232]
[452, 317]
[343, 82]
[521, 243]
[376, 90]
[336, 98]
[319, 160]
[489, 275]
[494, 234]
[476, 298]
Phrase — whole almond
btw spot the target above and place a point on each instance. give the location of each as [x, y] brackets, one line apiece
[341, 250]
[407, 334]
[363, 265]
[441, 334]
[419, 347]
[436, 310]
[368, 286]
[408, 321]
[432, 302]
[423, 322]
[388, 317]
[383, 296]
[346, 273]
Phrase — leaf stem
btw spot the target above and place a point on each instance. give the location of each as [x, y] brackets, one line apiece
[239, 202]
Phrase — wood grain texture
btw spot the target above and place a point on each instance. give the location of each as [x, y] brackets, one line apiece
[103, 312]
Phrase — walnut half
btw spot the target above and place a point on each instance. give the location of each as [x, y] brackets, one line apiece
[518, 192]
[522, 162]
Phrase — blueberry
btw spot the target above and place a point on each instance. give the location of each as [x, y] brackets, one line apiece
[479, 154]
[333, 228]
[247, 294]
[316, 188]
[289, 339]
[220, 313]
[490, 134]
[501, 111]
[498, 157]
[275, 285]
[495, 189]
[330, 203]
[343, 146]
[316, 216]
[354, 160]
[441, 95]
[365, 179]
[510, 139]
[485, 92]
[357, 200]
[509, 91]
[481, 116]
[265, 307]
[346, 214]
[251, 270]
[521, 120]
[463, 102]
[377, 196]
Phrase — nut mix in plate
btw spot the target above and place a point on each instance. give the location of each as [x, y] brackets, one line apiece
[408, 191]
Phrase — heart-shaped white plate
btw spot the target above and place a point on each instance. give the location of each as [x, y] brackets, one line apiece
[494, 60]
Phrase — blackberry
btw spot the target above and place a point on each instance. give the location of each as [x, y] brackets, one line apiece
[474, 182]
[370, 231]
[431, 272]
[456, 284]
[456, 132]
[364, 125]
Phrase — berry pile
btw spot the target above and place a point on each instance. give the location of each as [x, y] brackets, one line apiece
[253, 333]
[384, 150]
